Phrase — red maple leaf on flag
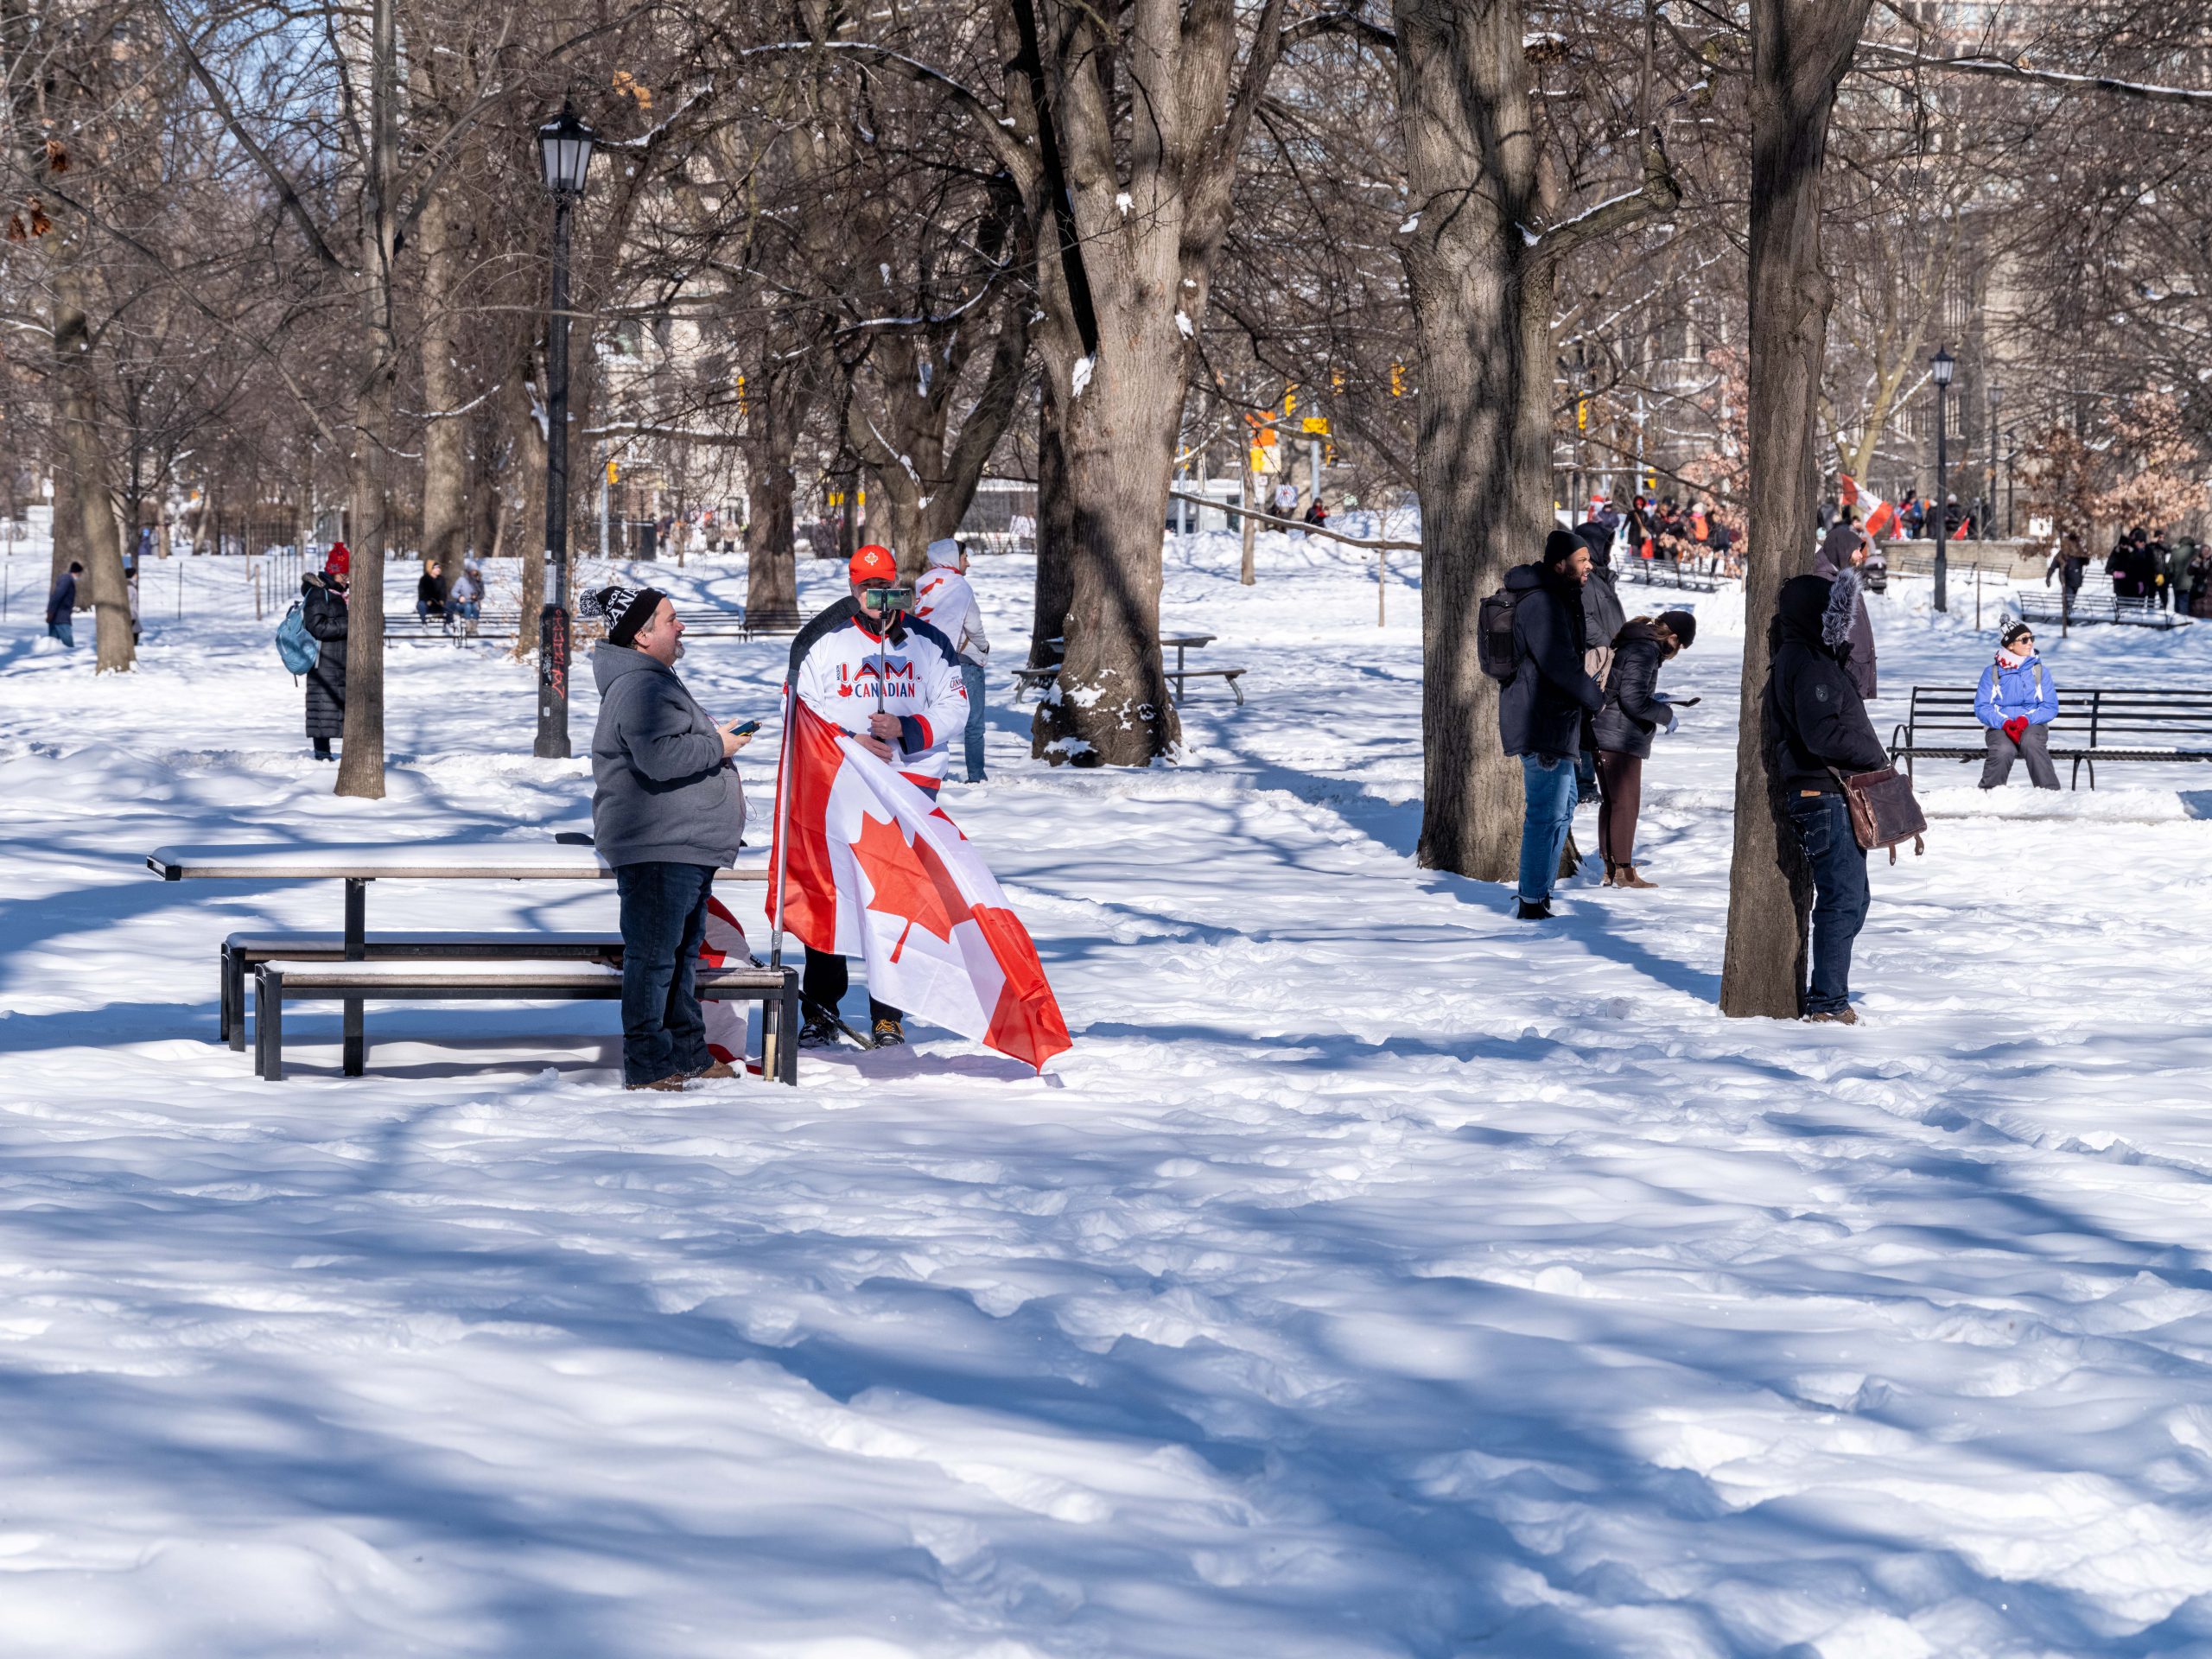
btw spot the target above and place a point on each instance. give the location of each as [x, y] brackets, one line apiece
[910, 882]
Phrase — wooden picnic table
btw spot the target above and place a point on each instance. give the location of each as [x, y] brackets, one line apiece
[421, 861]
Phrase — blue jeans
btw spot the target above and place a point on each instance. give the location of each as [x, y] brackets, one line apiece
[663, 919]
[971, 676]
[1841, 895]
[1547, 787]
[65, 631]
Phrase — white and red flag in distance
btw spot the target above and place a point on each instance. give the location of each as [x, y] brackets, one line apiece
[873, 869]
[1880, 519]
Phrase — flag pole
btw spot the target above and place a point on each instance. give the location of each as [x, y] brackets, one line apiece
[783, 828]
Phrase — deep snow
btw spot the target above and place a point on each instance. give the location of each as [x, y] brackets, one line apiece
[1375, 1276]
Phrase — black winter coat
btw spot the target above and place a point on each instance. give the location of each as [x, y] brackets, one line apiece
[1603, 616]
[1815, 718]
[1632, 713]
[1540, 711]
[322, 610]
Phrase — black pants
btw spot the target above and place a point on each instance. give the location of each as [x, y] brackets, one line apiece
[664, 919]
[823, 982]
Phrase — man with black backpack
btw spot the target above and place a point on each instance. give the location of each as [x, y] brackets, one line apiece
[1532, 637]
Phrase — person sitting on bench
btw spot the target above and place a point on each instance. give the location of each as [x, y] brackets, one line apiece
[2018, 701]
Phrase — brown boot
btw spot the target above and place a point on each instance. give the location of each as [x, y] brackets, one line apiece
[1611, 871]
[719, 1069]
[668, 1084]
[1627, 877]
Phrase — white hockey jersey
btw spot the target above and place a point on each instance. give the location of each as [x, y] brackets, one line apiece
[943, 598]
[846, 674]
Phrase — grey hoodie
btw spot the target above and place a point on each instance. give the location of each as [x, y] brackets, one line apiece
[661, 792]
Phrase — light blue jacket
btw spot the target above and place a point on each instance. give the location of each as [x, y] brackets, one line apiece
[2006, 693]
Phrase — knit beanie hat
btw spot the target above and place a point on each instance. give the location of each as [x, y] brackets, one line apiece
[626, 610]
[339, 561]
[2013, 630]
[1682, 625]
[1562, 545]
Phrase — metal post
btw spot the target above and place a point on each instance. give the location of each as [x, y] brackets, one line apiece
[606, 492]
[553, 618]
[357, 893]
[1977, 599]
[1989, 511]
[783, 828]
[1942, 506]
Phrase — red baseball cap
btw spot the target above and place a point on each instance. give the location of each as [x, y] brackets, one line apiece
[872, 563]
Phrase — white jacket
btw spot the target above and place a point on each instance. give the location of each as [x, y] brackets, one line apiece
[846, 674]
[943, 598]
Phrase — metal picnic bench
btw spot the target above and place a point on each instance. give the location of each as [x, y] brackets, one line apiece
[355, 965]
[1029, 679]
[1663, 573]
[2107, 723]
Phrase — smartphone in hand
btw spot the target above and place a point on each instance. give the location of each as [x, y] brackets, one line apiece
[747, 729]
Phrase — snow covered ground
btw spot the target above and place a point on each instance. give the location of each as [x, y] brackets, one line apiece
[1375, 1276]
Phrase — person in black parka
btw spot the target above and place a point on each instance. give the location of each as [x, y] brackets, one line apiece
[1542, 709]
[322, 612]
[1815, 725]
[1634, 711]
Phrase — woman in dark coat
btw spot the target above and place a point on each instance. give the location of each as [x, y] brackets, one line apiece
[1633, 710]
[322, 612]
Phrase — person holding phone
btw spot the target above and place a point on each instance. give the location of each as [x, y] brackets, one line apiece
[667, 812]
[870, 667]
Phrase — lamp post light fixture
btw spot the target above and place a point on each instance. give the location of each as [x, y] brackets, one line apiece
[564, 147]
[1996, 396]
[1939, 366]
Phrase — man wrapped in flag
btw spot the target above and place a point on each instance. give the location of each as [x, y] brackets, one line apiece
[1877, 516]
[867, 864]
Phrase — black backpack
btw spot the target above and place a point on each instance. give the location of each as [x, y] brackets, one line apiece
[1495, 652]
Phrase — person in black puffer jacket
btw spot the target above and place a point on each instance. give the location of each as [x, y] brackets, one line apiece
[1633, 710]
[1815, 725]
[322, 612]
[1543, 707]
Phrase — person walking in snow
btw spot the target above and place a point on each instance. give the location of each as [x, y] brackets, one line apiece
[667, 812]
[2017, 701]
[1542, 708]
[944, 599]
[1816, 725]
[322, 612]
[871, 669]
[1634, 712]
[1845, 548]
[61, 607]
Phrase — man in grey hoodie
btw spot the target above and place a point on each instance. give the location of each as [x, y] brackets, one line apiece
[667, 812]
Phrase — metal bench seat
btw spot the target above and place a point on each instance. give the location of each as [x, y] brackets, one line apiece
[2116, 724]
[243, 952]
[507, 980]
[1029, 679]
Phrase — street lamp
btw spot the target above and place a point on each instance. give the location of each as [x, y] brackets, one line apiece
[1996, 396]
[564, 154]
[2011, 454]
[1939, 366]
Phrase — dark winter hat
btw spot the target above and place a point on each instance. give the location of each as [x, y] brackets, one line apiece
[1682, 625]
[627, 610]
[1562, 546]
[2013, 630]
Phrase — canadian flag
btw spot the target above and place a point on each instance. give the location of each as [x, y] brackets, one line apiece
[871, 866]
[1879, 517]
[722, 943]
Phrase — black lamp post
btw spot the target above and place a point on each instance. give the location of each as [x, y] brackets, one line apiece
[2011, 454]
[564, 153]
[1996, 396]
[1939, 366]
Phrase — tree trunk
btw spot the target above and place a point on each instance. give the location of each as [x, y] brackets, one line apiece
[771, 532]
[77, 413]
[527, 415]
[1800, 50]
[1481, 319]
[1055, 535]
[361, 770]
[445, 438]
[1110, 706]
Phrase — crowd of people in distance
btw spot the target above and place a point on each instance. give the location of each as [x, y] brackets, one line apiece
[1660, 530]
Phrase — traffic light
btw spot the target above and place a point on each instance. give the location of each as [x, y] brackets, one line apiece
[613, 473]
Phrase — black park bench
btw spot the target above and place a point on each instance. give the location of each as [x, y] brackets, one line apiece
[2113, 724]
